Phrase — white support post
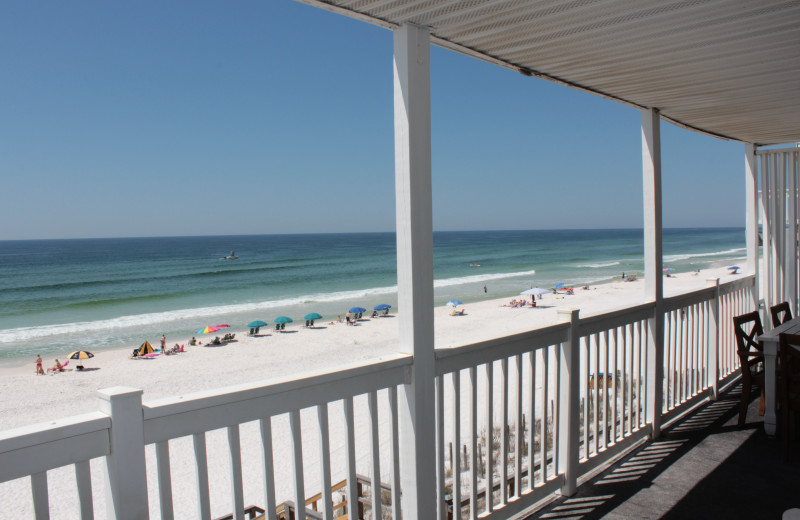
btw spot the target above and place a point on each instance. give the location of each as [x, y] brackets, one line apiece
[751, 216]
[653, 263]
[126, 477]
[569, 403]
[713, 341]
[412, 125]
[790, 289]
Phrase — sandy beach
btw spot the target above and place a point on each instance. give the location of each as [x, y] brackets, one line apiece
[26, 398]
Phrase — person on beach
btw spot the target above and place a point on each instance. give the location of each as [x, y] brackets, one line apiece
[193, 342]
[39, 369]
[485, 289]
[57, 367]
[163, 342]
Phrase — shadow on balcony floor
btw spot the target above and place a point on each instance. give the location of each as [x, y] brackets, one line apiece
[704, 466]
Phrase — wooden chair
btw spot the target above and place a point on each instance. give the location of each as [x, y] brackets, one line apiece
[776, 311]
[751, 357]
[789, 387]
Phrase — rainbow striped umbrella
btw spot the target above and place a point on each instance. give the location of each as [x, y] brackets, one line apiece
[207, 329]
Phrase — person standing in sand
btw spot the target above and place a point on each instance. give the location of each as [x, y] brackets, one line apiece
[163, 342]
[39, 369]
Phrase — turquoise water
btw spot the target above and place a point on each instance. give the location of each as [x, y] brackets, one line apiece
[105, 293]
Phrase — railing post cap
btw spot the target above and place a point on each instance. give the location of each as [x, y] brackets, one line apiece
[567, 313]
[117, 392]
[712, 282]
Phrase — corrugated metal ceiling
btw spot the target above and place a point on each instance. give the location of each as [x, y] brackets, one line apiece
[725, 67]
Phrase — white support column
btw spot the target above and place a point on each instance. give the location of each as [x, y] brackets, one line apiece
[126, 478]
[412, 125]
[751, 215]
[569, 404]
[713, 341]
[653, 263]
[790, 289]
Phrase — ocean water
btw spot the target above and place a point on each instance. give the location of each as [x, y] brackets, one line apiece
[92, 294]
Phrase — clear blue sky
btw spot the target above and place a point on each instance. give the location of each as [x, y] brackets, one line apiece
[207, 117]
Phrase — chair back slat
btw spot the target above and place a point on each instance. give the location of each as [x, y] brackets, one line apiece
[780, 313]
[748, 328]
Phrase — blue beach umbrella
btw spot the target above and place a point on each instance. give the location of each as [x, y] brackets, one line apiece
[283, 319]
[257, 323]
[534, 291]
[559, 286]
[454, 303]
[358, 309]
[312, 316]
[382, 307]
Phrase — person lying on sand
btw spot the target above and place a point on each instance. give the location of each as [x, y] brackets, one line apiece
[58, 367]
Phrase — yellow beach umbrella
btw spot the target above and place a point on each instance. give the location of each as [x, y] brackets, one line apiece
[80, 354]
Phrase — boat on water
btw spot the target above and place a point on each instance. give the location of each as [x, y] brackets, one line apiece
[231, 256]
[474, 265]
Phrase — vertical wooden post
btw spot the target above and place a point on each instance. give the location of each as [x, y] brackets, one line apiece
[653, 263]
[126, 478]
[569, 403]
[412, 123]
[713, 341]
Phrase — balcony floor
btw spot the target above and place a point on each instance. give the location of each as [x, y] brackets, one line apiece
[703, 466]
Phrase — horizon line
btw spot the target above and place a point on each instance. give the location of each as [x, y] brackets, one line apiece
[133, 237]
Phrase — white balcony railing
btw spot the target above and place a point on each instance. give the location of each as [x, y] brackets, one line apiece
[517, 419]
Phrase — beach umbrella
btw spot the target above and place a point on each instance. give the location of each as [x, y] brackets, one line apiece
[382, 307]
[256, 324]
[454, 303]
[734, 267]
[80, 354]
[312, 316]
[207, 329]
[535, 291]
[559, 286]
[358, 309]
[146, 348]
[282, 319]
[221, 326]
[667, 269]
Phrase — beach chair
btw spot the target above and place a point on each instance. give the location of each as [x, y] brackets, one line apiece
[277, 326]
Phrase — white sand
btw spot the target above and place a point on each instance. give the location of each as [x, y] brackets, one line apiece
[26, 399]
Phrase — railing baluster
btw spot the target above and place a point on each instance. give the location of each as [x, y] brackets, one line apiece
[556, 426]
[265, 425]
[614, 387]
[586, 403]
[543, 429]
[518, 430]
[504, 435]
[531, 420]
[596, 394]
[375, 452]
[235, 447]
[396, 511]
[83, 477]
[627, 387]
[441, 507]
[201, 465]
[455, 464]
[297, 459]
[605, 390]
[473, 462]
[489, 436]
[325, 459]
[352, 485]
[164, 480]
[41, 502]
